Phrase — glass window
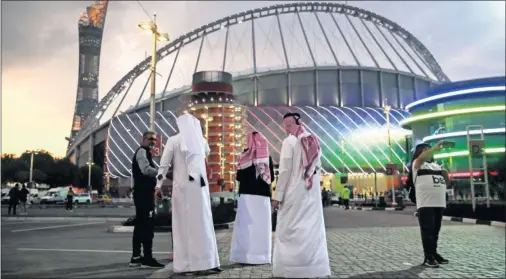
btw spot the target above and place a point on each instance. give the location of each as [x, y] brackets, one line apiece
[371, 88]
[272, 90]
[407, 91]
[390, 89]
[303, 88]
[351, 94]
[327, 88]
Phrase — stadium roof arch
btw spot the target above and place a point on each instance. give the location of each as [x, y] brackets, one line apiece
[409, 49]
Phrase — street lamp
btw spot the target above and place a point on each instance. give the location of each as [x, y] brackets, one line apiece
[342, 150]
[32, 153]
[89, 163]
[157, 36]
[387, 109]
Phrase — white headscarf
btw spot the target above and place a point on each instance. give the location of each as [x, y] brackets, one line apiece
[191, 133]
[192, 143]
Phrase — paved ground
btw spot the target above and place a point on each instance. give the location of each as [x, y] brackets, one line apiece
[361, 245]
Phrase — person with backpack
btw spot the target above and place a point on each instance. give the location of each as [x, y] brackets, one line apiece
[427, 183]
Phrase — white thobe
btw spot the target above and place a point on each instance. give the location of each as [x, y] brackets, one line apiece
[252, 235]
[195, 247]
[300, 245]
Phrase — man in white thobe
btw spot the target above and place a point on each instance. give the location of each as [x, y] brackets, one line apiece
[300, 245]
[195, 247]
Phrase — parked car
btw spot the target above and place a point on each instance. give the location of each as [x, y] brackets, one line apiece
[84, 198]
[104, 199]
[34, 199]
[55, 195]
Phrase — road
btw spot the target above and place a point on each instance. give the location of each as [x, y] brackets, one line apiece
[96, 211]
[361, 244]
[78, 212]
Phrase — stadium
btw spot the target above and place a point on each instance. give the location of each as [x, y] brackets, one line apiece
[349, 72]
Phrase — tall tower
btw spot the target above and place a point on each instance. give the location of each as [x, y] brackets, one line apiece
[91, 29]
[212, 101]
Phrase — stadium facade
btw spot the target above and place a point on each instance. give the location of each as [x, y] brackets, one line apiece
[451, 109]
[341, 98]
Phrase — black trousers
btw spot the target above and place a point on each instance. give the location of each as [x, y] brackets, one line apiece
[346, 203]
[144, 227]
[69, 202]
[430, 219]
[13, 204]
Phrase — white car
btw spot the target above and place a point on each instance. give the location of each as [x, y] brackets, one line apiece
[33, 199]
[82, 198]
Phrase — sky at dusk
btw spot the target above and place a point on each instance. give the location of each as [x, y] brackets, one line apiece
[39, 44]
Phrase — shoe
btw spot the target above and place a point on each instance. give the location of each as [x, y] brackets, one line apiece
[216, 269]
[431, 262]
[136, 261]
[151, 263]
[440, 259]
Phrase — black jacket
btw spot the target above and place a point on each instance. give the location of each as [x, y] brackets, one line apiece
[14, 194]
[251, 185]
[144, 185]
[23, 194]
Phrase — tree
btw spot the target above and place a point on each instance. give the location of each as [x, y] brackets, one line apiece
[39, 176]
[64, 173]
[10, 167]
[22, 176]
[43, 161]
[97, 177]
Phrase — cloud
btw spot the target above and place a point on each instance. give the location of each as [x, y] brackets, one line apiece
[40, 51]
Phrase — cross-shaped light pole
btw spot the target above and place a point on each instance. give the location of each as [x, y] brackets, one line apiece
[157, 36]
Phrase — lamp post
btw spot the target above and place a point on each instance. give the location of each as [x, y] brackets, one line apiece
[89, 163]
[157, 36]
[387, 109]
[341, 142]
[32, 153]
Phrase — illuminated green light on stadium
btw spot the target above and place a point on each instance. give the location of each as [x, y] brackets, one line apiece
[428, 116]
[466, 152]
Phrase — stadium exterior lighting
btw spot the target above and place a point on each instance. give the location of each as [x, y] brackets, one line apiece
[464, 133]
[466, 152]
[454, 94]
[157, 36]
[403, 123]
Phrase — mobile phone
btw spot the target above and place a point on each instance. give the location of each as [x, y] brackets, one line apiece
[448, 144]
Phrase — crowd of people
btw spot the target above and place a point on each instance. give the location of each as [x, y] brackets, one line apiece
[299, 245]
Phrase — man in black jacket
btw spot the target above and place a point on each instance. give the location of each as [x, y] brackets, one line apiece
[14, 199]
[144, 182]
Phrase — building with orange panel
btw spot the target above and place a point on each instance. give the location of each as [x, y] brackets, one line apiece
[212, 102]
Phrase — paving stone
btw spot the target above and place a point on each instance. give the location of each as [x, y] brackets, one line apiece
[474, 251]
